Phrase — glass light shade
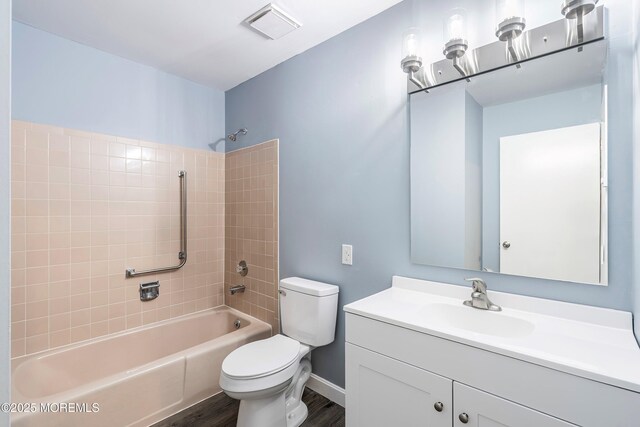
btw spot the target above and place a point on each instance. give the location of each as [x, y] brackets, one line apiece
[412, 43]
[455, 26]
[507, 9]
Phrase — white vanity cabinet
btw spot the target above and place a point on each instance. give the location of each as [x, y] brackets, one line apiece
[383, 392]
[415, 356]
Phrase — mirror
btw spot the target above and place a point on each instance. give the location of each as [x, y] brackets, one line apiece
[508, 170]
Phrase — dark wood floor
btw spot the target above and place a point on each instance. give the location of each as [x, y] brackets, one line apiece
[221, 410]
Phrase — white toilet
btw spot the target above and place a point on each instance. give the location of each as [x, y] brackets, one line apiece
[268, 376]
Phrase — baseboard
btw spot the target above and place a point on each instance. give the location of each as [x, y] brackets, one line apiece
[326, 389]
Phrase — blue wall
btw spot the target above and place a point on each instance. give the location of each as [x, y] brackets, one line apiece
[5, 201]
[444, 163]
[636, 178]
[63, 83]
[446, 180]
[340, 112]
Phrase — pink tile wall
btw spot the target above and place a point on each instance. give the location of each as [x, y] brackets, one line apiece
[252, 230]
[87, 206]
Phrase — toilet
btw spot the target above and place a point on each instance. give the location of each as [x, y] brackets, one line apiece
[268, 376]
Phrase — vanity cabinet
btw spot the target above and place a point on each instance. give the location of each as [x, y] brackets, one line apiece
[395, 376]
[382, 391]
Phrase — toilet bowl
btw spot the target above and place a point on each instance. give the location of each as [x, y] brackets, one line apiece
[269, 376]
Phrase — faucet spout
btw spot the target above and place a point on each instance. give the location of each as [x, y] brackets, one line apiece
[479, 298]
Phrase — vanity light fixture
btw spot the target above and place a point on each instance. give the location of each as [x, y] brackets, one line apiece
[577, 9]
[412, 54]
[455, 36]
[511, 23]
[461, 59]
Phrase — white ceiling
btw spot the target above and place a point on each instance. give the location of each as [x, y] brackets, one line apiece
[202, 40]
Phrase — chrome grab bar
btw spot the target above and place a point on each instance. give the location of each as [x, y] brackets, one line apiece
[182, 255]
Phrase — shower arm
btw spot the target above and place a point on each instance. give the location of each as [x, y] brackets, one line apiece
[182, 255]
[234, 136]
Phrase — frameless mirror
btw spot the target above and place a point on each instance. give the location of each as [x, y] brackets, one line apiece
[508, 170]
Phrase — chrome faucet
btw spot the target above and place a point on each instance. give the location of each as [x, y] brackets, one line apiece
[479, 298]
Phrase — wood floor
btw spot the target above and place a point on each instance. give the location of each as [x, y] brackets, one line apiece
[221, 410]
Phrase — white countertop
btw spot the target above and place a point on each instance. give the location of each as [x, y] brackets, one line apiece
[590, 342]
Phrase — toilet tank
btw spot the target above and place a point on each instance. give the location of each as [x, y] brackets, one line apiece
[308, 310]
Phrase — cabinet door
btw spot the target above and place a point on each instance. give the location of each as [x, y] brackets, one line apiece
[384, 392]
[486, 410]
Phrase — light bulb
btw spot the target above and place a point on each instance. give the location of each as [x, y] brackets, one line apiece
[507, 9]
[411, 43]
[455, 37]
[455, 27]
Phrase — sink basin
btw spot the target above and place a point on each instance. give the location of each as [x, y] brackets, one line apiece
[478, 321]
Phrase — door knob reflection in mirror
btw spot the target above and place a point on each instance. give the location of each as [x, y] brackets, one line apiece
[506, 244]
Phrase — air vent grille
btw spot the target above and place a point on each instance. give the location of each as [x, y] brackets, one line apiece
[272, 22]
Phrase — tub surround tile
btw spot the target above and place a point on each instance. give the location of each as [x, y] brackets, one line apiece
[86, 206]
[59, 338]
[117, 325]
[18, 330]
[36, 326]
[79, 317]
[251, 230]
[36, 343]
[37, 309]
[80, 333]
[37, 292]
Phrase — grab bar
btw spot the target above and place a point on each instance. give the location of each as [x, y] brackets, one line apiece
[182, 255]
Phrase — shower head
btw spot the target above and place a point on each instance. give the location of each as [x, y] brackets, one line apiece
[234, 136]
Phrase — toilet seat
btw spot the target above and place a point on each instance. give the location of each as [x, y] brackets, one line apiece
[261, 358]
[262, 365]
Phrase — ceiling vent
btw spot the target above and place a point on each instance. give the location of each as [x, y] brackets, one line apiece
[272, 22]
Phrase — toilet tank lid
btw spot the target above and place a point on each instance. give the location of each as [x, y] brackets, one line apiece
[309, 287]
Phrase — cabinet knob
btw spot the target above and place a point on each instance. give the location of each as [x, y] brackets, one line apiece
[506, 244]
[438, 406]
[464, 418]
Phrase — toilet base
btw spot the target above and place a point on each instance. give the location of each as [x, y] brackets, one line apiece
[296, 409]
[297, 416]
[279, 406]
[267, 412]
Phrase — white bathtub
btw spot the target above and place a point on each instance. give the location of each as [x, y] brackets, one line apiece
[136, 377]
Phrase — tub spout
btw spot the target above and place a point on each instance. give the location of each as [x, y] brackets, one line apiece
[237, 289]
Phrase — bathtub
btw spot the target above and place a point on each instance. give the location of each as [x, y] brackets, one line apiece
[133, 378]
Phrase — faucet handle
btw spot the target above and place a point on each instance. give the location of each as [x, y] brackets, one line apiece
[478, 284]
